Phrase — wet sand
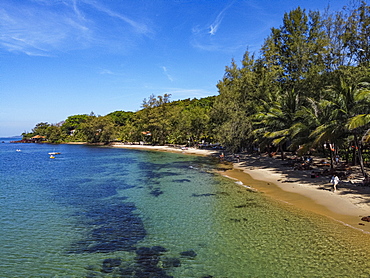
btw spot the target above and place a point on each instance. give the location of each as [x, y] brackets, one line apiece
[299, 196]
[281, 182]
[348, 204]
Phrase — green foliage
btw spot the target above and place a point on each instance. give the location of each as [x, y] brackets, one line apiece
[120, 118]
[98, 130]
[295, 52]
[239, 91]
[55, 134]
[40, 129]
[178, 122]
[72, 124]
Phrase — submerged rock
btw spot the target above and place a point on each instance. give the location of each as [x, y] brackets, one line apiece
[234, 219]
[110, 264]
[147, 261]
[127, 272]
[202, 195]
[156, 192]
[149, 257]
[182, 180]
[114, 227]
[189, 254]
[171, 262]
[159, 249]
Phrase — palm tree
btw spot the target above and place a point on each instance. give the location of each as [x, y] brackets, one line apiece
[275, 124]
[362, 119]
[339, 117]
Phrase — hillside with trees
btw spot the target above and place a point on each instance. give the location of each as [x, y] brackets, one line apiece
[159, 122]
[307, 90]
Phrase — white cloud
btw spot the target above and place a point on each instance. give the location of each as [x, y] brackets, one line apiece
[36, 30]
[216, 23]
[166, 73]
[233, 28]
[38, 27]
[204, 35]
[106, 71]
[118, 73]
[138, 26]
[214, 26]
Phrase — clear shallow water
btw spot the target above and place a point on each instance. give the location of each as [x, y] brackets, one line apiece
[100, 212]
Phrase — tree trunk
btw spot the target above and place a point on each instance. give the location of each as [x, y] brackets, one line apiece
[331, 158]
[282, 152]
[347, 155]
[324, 151]
[354, 156]
[357, 145]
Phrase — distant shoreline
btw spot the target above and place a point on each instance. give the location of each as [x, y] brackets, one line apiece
[270, 176]
[184, 150]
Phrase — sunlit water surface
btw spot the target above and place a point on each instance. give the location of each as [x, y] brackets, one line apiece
[102, 212]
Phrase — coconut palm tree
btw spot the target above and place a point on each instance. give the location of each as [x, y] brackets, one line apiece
[275, 124]
[339, 116]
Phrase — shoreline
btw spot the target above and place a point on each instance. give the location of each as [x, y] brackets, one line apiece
[184, 150]
[272, 177]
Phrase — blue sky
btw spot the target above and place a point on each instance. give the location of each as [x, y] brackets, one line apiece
[66, 57]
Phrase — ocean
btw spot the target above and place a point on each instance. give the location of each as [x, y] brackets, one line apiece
[109, 212]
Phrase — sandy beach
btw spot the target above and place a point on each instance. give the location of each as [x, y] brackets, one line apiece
[275, 178]
[166, 149]
[279, 180]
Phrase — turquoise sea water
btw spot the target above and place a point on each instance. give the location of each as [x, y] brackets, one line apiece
[103, 212]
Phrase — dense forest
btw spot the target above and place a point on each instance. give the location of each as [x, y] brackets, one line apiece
[307, 90]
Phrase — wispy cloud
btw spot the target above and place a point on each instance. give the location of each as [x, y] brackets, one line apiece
[216, 23]
[138, 26]
[202, 34]
[107, 71]
[39, 27]
[230, 35]
[36, 30]
[167, 74]
[214, 26]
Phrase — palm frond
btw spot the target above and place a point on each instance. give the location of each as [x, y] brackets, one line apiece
[366, 137]
[296, 129]
[358, 121]
[363, 94]
[277, 141]
[303, 149]
[322, 134]
[278, 133]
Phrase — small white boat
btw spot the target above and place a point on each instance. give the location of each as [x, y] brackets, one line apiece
[53, 153]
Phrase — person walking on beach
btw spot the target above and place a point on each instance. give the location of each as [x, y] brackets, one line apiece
[337, 159]
[222, 156]
[334, 180]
